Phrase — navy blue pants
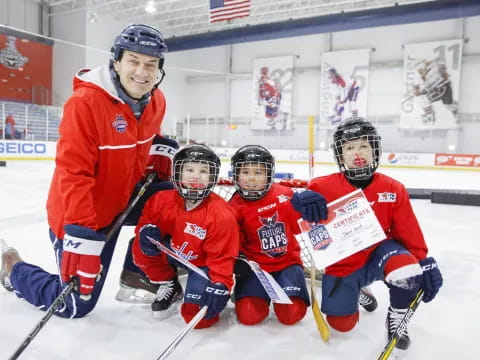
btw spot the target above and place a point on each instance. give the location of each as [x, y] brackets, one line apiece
[41, 288]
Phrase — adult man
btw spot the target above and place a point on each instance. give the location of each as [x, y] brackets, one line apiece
[108, 126]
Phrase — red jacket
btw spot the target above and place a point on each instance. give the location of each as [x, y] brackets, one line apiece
[101, 153]
[391, 204]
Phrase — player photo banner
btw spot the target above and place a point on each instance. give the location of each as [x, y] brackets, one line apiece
[272, 93]
[344, 84]
[431, 84]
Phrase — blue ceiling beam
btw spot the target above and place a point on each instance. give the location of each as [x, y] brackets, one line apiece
[394, 15]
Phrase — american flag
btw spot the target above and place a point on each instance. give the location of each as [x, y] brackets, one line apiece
[228, 9]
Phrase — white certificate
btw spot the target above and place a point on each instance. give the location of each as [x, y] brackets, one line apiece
[351, 226]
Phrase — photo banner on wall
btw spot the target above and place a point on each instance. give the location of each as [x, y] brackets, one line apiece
[344, 85]
[431, 75]
[272, 93]
[25, 67]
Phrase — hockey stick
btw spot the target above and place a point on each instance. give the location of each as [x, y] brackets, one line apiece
[401, 327]
[71, 286]
[195, 320]
[322, 325]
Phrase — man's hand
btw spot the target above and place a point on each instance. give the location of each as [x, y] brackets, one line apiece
[82, 247]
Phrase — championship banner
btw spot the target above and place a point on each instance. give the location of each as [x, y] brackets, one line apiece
[25, 67]
[272, 93]
[344, 85]
[431, 84]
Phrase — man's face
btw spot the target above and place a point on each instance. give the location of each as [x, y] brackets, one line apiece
[137, 73]
[357, 153]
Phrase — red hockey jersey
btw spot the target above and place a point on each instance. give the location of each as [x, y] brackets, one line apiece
[267, 229]
[206, 236]
[391, 204]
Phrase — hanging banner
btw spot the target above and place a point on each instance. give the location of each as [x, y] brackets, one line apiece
[431, 84]
[344, 84]
[272, 93]
[25, 67]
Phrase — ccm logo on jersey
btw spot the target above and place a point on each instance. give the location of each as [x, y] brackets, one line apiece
[387, 197]
[195, 230]
[269, 206]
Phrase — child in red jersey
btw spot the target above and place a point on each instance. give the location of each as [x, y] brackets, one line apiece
[400, 260]
[197, 225]
[267, 214]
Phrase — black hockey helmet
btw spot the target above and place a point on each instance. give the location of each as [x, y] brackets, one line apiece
[253, 154]
[195, 153]
[352, 129]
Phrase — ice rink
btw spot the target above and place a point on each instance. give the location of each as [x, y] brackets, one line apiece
[446, 328]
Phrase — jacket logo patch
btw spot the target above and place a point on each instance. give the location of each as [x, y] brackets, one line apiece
[387, 197]
[120, 124]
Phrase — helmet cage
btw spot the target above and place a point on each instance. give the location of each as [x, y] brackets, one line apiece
[253, 155]
[191, 193]
[253, 194]
[360, 173]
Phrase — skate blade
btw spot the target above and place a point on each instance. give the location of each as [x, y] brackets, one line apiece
[134, 296]
[165, 314]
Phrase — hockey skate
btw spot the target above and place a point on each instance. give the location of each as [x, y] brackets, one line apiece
[136, 288]
[394, 317]
[169, 293]
[367, 300]
[9, 257]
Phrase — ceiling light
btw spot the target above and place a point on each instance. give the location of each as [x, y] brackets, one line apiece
[150, 8]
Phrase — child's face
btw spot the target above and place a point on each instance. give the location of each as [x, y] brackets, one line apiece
[195, 175]
[357, 153]
[252, 177]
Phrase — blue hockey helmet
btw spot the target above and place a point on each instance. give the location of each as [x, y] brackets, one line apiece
[142, 39]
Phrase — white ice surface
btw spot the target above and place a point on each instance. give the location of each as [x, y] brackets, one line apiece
[446, 328]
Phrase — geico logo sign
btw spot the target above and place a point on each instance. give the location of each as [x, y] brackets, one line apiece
[13, 147]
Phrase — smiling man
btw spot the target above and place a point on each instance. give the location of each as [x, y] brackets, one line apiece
[108, 126]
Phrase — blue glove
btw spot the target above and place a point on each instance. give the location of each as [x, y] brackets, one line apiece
[432, 278]
[148, 247]
[215, 296]
[311, 205]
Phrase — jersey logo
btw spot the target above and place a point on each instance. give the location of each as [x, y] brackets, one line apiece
[283, 198]
[195, 230]
[269, 206]
[120, 124]
[387, 197]
[272, 236]
[186, 256]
